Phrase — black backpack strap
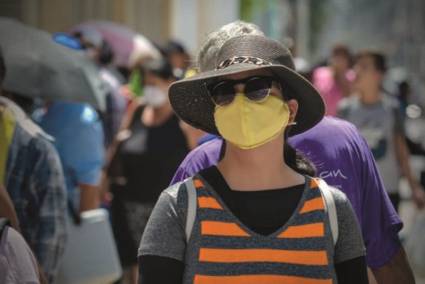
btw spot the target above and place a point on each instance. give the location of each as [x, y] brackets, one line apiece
[3, 223]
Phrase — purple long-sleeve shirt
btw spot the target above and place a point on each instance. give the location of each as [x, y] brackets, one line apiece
[343, 160]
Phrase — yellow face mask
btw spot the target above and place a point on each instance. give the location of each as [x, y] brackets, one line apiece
[249, 124]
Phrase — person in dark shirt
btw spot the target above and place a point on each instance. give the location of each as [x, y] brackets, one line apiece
[149, 152]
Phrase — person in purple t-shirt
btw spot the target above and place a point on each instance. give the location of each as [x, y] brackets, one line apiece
[342, 159]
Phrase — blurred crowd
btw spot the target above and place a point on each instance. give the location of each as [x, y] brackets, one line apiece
[60, 156]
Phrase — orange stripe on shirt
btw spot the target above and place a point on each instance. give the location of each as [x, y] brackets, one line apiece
[215, 228]
[263, 255]
[304, 231]
[258, 279]
[312, 205]
[208, 202]
[314, 183]
[198, 183]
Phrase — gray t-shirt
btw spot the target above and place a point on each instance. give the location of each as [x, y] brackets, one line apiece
[164, 234]
[17, 262]
[378, 123]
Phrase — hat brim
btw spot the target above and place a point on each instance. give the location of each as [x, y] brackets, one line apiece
[191, 100]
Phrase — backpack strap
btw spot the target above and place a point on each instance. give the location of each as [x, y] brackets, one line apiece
[330, 208]
[323, 186]
[191, 207]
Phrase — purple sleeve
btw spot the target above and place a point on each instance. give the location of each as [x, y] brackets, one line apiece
[380, 224]
[200, 158]
[180, 174]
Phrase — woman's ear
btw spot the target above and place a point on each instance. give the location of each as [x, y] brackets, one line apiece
[293, 109]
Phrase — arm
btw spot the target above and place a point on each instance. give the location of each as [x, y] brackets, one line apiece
[349, 256]
[89, 197]
[151, 270]
[380, 224]
[355, 266]
[396, 270]
[163, 244]
[84, 156]
[402, 153]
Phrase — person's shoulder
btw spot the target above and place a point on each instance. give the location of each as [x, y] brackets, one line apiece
[39, 152]
[202, 151]
[337, 127]
[348, 102]
[338, 195]
[176, 195]
[43, 144]
[175, 199]
[28, 128]
[332, 122]
[347, 106]
[340, 198]
[322, 71]
[174, 190]
[205, 147]
[389, 101]
[34, 144]
[345, 136]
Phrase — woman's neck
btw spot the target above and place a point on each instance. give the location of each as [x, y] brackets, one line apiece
[262, 168]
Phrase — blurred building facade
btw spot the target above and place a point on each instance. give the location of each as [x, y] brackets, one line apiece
[395, 27]
[185, 20]
[149, 17]
[188, 21]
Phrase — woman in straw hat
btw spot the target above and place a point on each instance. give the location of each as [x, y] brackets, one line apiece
[258, 216]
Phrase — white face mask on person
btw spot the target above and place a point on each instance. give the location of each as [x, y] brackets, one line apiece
[154, 96]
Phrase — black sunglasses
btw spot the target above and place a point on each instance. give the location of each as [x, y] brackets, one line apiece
[256, 89]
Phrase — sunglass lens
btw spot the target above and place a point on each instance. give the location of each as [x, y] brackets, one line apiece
[223, 93]
[256, 89]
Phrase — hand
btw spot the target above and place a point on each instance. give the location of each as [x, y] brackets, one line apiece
[127, 92]
[418, 195]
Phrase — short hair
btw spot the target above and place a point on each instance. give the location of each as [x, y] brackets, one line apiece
[2, 68]
[159, 67]
[341, 50]
[208, 53]
[106, 53]
[378, 58]
[173, 46]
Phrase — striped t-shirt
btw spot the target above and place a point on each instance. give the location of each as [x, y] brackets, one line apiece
[223, 250]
